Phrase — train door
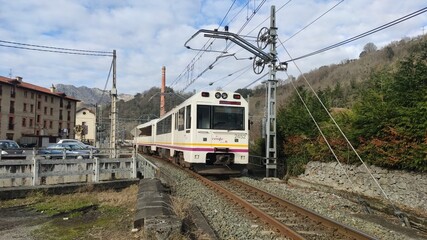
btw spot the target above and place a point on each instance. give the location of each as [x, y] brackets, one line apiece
[203, 132]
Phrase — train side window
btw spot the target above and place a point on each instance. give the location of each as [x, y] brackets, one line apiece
[188, 117]
[203, 116]
[181, 115]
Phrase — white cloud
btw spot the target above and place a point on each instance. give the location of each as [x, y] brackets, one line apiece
[150, 34]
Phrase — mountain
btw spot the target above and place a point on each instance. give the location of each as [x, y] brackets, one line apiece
[90, 95]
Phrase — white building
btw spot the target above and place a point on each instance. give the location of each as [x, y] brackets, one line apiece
[86, 118]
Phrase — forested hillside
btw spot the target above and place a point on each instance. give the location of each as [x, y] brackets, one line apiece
[379, 101]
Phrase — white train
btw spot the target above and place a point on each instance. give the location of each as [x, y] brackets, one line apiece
[208, 133]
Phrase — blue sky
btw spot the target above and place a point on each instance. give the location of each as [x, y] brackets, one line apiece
[150, 34]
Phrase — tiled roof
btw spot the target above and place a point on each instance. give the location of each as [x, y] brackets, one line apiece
[22, 84]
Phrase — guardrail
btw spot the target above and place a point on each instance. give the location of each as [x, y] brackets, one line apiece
[37, 171]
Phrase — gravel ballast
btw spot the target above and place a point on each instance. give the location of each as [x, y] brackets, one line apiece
[230, 223]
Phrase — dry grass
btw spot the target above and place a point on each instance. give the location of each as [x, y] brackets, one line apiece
[180, 207]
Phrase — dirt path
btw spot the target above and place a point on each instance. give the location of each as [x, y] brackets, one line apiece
[18, 222]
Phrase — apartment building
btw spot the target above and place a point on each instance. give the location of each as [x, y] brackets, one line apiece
[33, 115]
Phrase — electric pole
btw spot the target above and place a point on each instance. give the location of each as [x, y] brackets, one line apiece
[113, 144]
[271, 84]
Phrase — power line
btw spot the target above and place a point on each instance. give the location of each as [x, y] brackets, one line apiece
[106, 83]
[57, 51]
[57, 48]
[315, 20]
[367, 33]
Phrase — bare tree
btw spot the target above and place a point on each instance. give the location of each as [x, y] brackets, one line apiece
[370, 47]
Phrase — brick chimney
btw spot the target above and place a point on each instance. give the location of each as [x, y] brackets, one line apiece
[162, 92]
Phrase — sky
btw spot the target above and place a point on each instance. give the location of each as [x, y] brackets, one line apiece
[150, 34]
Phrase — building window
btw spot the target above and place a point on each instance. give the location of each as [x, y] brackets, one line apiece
[12, 92]
[25, 94]
[25, 107]
[12, 107]
[51, 99]
[68, 105]
[32, 108]
[1, 89]
[45, 110]
[60, 126]
[68, 116]
[39, 96]
[9, 136]
[10, 127]
[31, 122]
[45, 98]
[60, 114]
[51, 124]
[51, 111]
[32, 95]
[44, 124]
[24, 122]
[39, 105]
[38, 118]
[61, 103]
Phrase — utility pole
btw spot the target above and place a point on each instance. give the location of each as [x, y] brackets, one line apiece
[266, 36]
[113, 144]
[271, 84]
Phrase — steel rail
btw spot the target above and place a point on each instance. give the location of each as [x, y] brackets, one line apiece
[282, 229]
[341, 228]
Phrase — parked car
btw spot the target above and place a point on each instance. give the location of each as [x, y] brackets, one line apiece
[11, 150]
[76, 141]
[72, 150]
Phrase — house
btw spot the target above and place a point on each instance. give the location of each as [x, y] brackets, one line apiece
[33, 115]
[86, 118]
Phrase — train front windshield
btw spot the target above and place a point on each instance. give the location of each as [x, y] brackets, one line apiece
[220, 117]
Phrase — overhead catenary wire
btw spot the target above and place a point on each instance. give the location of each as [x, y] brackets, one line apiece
[247, 68]
[199, 54]
[359, 36]
[215, 62]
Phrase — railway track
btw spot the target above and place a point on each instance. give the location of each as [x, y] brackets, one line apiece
[286, 218]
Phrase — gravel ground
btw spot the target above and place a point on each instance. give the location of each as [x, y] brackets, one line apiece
[229, 222]
[378, 225]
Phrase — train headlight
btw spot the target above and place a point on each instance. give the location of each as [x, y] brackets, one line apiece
[218, 95]
[224, 95]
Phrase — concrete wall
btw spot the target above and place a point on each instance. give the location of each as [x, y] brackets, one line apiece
[62, 173]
